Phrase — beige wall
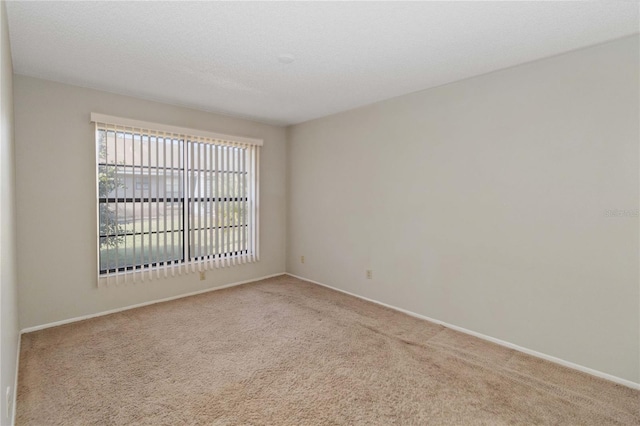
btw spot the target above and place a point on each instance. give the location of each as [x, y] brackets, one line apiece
[56, 200]
[484, 204]
[8, 282]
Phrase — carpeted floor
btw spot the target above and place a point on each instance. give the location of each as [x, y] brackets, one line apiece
[286, 352]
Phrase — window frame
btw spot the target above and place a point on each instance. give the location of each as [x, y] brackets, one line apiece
[186, 200]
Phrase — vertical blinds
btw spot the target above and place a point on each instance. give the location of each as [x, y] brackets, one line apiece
[173, 200]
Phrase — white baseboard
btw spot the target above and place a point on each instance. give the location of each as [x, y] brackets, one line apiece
[15, 382]
[527, 351]
[531, 352]
[139, 305]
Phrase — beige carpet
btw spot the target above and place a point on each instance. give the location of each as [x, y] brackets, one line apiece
[286, 352]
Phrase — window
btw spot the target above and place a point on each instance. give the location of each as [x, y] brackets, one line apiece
[171, 201]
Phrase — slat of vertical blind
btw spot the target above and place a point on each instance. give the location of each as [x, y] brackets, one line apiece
[240, 177]
[246, 204]
[205, 207]
[172, 208]
[133, 210]
[223, 206]
[210, 204]
[198, 187]
[195, 188]
[164, 197]
[228, 205]
[224, 199]
[253, 204]
[249, 205]
[117, 239]
[101, 153]
[240, 206]
[183, 182]
[157, 194]
[256, 247]
[216, 168]
[142, 215]
[200, 195]
[234, 205]
[236, 212]
[256, 201]
[196, 217]
[97, 146]
[243, 193]
[192, 188]
[107, 257]
[124, 220]
[149, 207]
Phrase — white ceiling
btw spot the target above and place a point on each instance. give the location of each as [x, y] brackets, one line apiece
[222, 57]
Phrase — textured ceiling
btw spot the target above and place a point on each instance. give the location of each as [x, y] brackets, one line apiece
[222, 57]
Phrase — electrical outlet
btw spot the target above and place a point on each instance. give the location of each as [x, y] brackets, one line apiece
[301, 259]
[369, 274]
[8, 402]
[202, 275]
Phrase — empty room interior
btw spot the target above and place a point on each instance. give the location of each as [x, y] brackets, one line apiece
[320, 213]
